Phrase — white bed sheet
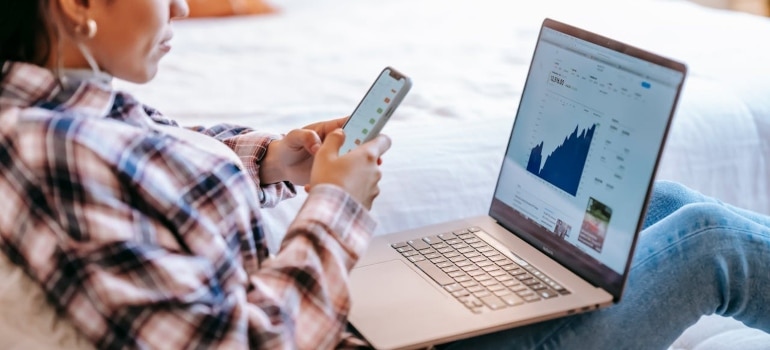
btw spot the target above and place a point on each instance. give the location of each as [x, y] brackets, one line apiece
[314, 59]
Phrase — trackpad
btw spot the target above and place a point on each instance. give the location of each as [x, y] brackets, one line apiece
[390, 299]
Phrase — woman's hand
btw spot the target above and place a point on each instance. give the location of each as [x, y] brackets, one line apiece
[357, 172]
[291, 158]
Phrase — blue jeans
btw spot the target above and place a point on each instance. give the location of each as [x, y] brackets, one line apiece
[696, 256]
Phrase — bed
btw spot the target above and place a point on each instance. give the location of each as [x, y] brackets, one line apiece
[312, 60]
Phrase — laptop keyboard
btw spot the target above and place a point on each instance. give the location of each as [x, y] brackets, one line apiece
[476, 273]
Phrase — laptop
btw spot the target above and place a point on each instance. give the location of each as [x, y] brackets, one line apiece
[566, 212]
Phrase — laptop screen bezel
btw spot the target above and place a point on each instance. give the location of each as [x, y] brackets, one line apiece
[569, 256]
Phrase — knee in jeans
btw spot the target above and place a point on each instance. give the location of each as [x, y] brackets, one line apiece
[702, 215]
[672, 193]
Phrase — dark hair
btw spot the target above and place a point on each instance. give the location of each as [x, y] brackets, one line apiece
[24, 31]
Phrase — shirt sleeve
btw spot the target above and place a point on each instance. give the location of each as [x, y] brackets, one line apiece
[250, 146]
[322, 245]
[163, 249]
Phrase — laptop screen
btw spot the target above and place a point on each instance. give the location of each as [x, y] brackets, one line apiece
[587, 137]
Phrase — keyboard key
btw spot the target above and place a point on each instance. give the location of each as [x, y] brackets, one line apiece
[463, 262]
[495, 287]
[473, 302]
[417, 258]
[469, 284]
[488, 282]
[524, 276]
[447, 236]
[525, 293]
[398, 245]
[509, 267]
[450, 268]
[472, 240]
[478, 244]
[496, 257]
[453, 287]
[461, 232]
[466, 236]
[478, 259]
[520, 288]
[440, 260]
[404, 249]
[504, 278]
[432, 240]
[463, 278]
[418, 244]
[547, 294]
[455, 274]
[483, 277]
[476, 272]
[484, 248]
[493, 302]
[484, 263]
[474, 289]
[512, 299]
[510, 283]
[465, 250]
[502, 292]
[460, 293]
[434, 272]
[495, 273]
[440, 245]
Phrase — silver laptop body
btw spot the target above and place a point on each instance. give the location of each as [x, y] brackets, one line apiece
[566, 213]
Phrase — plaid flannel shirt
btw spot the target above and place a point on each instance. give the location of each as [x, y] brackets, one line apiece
[144, 241]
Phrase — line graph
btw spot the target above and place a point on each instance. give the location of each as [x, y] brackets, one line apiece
[564, 166]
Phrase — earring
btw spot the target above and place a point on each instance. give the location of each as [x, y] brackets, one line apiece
[88, 30]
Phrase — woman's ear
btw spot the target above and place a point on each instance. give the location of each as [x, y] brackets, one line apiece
[73, 12]
[74, 17]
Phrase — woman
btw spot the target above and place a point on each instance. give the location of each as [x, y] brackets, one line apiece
[136, 227]
[145, 238]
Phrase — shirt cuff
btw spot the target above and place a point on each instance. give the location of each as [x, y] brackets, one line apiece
[331, 207]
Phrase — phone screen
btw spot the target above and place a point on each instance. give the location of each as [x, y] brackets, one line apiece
[375, 109]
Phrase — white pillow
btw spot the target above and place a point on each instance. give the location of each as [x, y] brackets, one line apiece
[27, 320]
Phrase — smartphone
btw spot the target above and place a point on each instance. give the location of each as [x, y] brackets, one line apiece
[374, 110]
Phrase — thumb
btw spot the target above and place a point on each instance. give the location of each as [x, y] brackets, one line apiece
[332, 143]
[302, 138]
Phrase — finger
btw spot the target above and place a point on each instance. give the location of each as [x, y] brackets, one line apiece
[332, 143]
[379, 145]
[305, 138]
[339, 122]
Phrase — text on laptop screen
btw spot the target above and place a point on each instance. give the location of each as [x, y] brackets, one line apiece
[584, 145]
